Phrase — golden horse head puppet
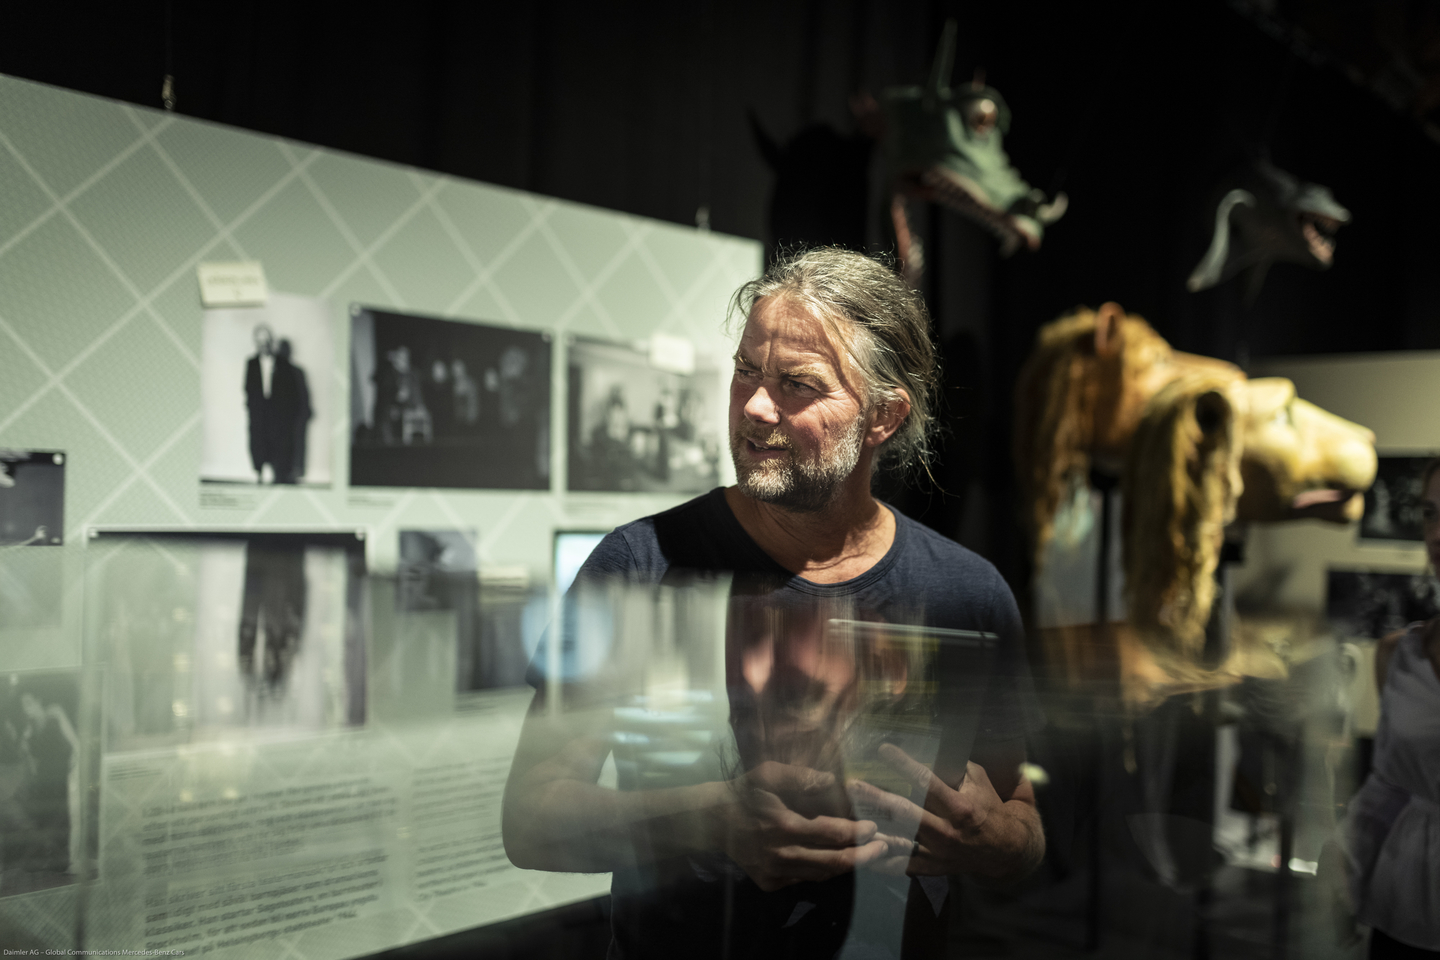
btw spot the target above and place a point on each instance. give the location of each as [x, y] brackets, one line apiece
[1196, 446]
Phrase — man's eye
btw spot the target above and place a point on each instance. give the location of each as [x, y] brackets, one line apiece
[799, 385]
[744, 373]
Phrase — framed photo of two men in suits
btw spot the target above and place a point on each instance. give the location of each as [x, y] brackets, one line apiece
[267, 393]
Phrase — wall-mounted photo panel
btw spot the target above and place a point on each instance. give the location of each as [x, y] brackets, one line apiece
[32, 498]
[637, 428]
[1369, 603]
[41, 840]
[1392, 504]
[268, 407]
[213, 636]
[444, 403]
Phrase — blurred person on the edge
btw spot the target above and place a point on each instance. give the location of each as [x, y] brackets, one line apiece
[1392, 827]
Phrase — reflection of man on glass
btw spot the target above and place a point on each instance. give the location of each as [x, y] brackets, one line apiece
[835, 371]
[278, 401]
[272, 607]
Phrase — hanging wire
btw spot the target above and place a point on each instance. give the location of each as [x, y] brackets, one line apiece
[167, 86]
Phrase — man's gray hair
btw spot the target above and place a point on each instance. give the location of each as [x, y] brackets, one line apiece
[881, 322]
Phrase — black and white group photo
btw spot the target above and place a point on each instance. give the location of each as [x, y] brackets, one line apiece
[1392, 504]
[218, 635]
[445, 403]
[1369, 603]
[41, 840]
[267, 404]
[637, 428]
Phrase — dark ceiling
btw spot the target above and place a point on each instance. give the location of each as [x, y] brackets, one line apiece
[1136, 110]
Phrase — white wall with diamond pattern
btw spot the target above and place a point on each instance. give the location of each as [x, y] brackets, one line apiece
[105, 211]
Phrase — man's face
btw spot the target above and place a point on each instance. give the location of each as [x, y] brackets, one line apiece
[264, 340]
[797, 421]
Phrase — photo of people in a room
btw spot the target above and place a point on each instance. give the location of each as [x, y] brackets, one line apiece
[444, 403]
[1392, 504]
[1372, 604]
[636, 428]
[41, 842]
[267, 405]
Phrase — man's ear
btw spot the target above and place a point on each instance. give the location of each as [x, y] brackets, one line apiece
[887, 417]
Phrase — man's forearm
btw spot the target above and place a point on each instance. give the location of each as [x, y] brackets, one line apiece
[579, 827]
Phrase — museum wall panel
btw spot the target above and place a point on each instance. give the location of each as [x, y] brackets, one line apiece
[279, 703]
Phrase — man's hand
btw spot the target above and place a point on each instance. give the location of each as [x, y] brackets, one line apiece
[963, 829]
[776, 845]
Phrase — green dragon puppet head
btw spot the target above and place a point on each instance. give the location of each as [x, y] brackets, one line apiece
[945, 146]
[1266, 216]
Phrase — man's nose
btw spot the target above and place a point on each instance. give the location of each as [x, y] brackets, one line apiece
[761, 406]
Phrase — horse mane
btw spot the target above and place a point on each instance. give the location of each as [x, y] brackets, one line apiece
[1182, 483]
[1063, 385]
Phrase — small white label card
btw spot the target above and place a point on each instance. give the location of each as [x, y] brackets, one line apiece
[237, 283]
[675, 354]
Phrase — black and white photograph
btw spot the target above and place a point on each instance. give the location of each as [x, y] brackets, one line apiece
[635, 428]
[268, 406]
[1392, 504]
[41, 840]
[1369, 603]
[214, 636]
[436, 570]
[32, 498]
[446, 403]
[32, 514]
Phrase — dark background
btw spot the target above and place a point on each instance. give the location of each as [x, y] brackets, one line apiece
[1135, 109]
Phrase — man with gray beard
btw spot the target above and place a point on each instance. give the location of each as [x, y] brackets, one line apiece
[834, 372]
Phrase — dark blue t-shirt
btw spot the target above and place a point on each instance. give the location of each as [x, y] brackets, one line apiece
[923, 579]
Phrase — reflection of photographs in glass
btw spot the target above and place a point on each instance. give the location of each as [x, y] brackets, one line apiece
[572, 549]
[443, 403]
[1392, 504]
[436, 569]
[634, 427]
[40, 835]
[1366, 603]
[210, 633]
[32, 497]
[496, 654]
[266, 401]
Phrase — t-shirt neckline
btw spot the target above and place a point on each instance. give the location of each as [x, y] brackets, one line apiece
[797, 582]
